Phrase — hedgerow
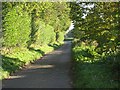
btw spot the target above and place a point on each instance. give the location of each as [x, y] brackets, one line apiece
[16, 28]
[29, 32]
[98, 24]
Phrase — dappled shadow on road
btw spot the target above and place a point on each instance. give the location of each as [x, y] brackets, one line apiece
[51, 71]
[27, 72]
[44, 76]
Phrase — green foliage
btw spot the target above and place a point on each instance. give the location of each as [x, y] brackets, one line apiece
[16, 28]
[24, 55]
[29, 32]
[4, 74]
[60, 37]
[96, 75]
[57, 15]
[39, 19]
[44, 34]
[113, 62]
[20, 57]
[90, 70]
[100, 25]
[47, 20]
[85, 52]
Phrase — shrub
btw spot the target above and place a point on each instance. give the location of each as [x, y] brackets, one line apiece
[60, 37]
[42, 34]
[85, 53]
[29, 32]
[16, 26]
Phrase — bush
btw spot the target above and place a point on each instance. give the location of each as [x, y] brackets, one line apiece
[20, 57]
[86, 53]
[29, 32]
[44, 34]
[113, 62]
[60, 37]
[16, 28]
[91, 71]
[15, 60]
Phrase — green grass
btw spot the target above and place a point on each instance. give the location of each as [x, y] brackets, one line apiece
[91, 70]
[16, 58]
[93, 75]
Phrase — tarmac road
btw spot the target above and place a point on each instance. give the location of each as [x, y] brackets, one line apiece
[51, 71]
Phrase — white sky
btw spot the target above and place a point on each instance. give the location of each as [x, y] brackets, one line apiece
[70, 28]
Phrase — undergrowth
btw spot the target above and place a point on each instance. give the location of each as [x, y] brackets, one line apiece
[17, 58]
[94, 70]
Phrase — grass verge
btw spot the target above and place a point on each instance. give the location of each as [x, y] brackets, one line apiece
[91, 70]
[93, 75]
[17, 58]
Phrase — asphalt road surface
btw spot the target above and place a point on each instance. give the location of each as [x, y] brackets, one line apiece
[51, 71]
